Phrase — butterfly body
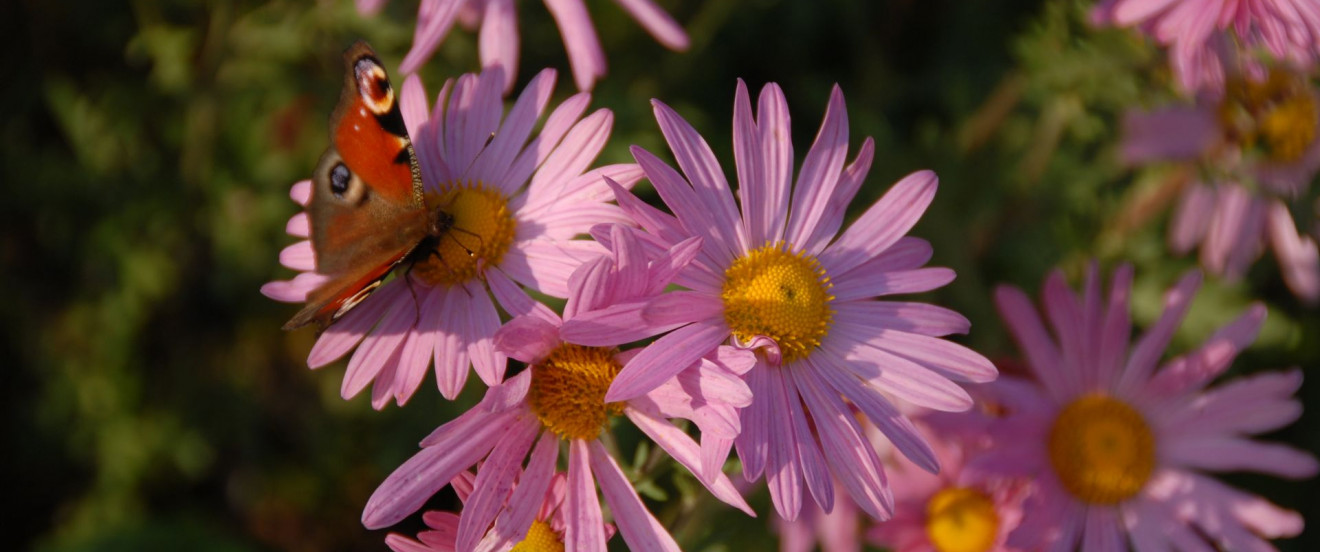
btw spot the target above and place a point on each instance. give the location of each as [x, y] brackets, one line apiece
[367, 212]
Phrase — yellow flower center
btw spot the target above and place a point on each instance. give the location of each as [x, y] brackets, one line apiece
[1101, 449]
[781, 295]
[1280, 115]
[959, 519]
[540, 538]
[568, 390]
[480, 234]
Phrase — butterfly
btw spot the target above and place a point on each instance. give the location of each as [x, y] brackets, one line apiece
[368, 212]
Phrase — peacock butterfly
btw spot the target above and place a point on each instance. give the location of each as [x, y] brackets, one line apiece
[368, 212]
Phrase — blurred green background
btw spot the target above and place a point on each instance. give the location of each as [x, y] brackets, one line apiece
[150, 400]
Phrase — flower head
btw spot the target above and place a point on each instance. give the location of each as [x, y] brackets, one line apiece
[545, 534]
[517, 201]
[773, 278]
[1117, 446]
[1260, 144]
[956, 510]
[498, 40]
[1197, 32]
[560, 398]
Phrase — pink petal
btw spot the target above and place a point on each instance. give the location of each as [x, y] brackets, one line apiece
[819, 174]
[493, 485]
[346, 332]
[571, 157]
[434, 19]
[301, 192]
[896, 427]
[299, 256]
[849, 183]
[883, 223]
[776, 159]
[514, 300]
[1152, 344]
[499, 40]
[1029, 333]
[497, 156]
[703, 171]
[527, 338]
[783, 471]
[686, 451]
[298, 226]
[582, 508]
[1170, 133]
[858, 284]
[584, 51]
[546, 265]
[1299, 259]
[654, 19]
[640, 529]
[413, 482]
[1191, 218]
[919, 318]
[1226, 454]
[666, 357]
[527, 498]
[852, 460]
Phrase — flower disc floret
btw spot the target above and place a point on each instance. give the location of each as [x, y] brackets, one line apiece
[568, 390]
[540, 538]
[779, 294]
[961, 519]
[479, 235]
[1279, 114]
[1102, 449]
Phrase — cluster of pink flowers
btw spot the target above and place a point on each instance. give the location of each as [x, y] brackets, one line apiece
[766, 325]
[1251, 130]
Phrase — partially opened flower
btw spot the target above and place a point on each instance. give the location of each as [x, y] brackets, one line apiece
[775, 279]
[560, 399]
[517, 201]
[956, 510]
[498, 40]
[544, 535]
[1119, 444]
[1260, 147]
[1197, 32]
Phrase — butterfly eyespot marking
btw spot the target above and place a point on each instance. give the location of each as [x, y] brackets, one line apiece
[339, 180]
[374, 85]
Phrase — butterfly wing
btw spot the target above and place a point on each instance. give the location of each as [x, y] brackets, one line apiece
[367, 211]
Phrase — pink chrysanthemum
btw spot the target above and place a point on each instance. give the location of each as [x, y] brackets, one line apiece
[776, 280]
[957, 510]
[1196, 32]
[1118, 447]
[560, 398]
[517, 200]
[1261, 145]
[544, 535]
[498, 21]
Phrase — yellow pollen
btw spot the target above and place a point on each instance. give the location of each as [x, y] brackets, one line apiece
[1280, 115]
[959, 519]
[781, 295]
[540, 538]
[1101, 449]
[568, 390]
[481, 233]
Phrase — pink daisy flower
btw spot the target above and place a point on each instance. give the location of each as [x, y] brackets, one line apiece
[1118, 447]
[560, 398]
[1260, 145]
[1196, 32]
[498, 40]
[775, 279]
[543, 535]
[956, 510]
[517, 200]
